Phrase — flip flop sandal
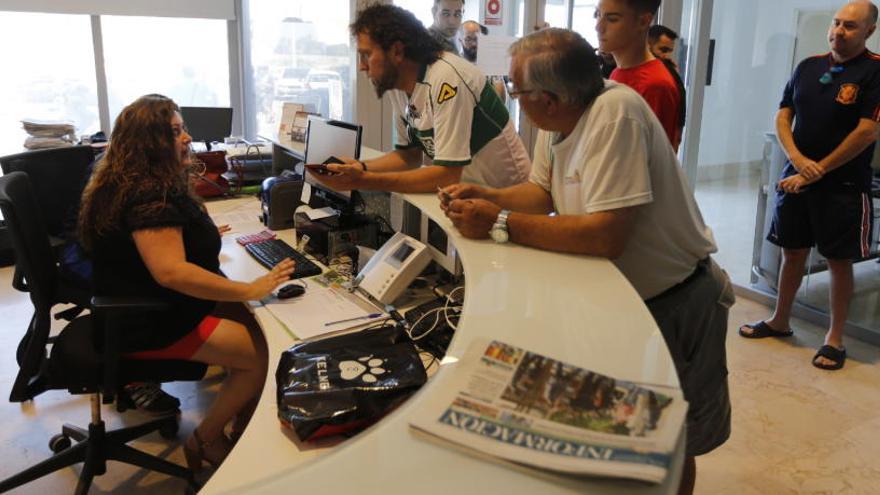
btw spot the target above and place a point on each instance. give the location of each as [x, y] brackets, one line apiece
[832, 353]
[762, 330]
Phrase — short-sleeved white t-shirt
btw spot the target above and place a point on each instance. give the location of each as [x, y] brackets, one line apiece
[618, 156]
[457, 119]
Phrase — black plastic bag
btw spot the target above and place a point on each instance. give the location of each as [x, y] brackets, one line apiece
[345, 383]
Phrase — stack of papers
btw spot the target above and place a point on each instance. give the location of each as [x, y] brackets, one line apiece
[322, 310]
[48, 134]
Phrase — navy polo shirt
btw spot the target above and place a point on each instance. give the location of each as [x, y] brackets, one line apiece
[826, 113]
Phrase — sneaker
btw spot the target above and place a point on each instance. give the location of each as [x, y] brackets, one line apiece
[148, 397]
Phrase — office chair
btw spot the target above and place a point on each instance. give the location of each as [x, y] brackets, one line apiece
[84, 358]
[58, 177]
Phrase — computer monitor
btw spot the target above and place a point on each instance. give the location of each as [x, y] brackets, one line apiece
[326, 138]
[207, 124]
[440, 246]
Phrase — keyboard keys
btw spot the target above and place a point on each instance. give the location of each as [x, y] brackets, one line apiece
[272, 251]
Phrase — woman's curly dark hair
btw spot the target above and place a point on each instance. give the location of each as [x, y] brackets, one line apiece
[142, 159]
[387, 24]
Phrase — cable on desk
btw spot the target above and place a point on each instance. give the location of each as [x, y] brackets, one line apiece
[455, 309]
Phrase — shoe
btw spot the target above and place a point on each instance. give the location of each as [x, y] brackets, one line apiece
[831, 353]
[761, 330]
[148, 397]
[198, 451]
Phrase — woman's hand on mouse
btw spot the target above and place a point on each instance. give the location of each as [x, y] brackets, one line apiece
[263, 286]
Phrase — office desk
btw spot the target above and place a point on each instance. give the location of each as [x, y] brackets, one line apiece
[578, 309]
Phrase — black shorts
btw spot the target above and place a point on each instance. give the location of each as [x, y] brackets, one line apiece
[692, 317]
[839, 222]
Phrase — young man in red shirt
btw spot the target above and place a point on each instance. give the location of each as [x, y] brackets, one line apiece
[623, 27]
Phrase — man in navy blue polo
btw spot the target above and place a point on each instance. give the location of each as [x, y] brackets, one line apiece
[823, 198]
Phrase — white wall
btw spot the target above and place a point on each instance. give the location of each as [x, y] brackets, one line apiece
[754, 50]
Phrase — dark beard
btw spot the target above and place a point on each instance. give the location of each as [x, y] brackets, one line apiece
[469, 54]
[388, 80]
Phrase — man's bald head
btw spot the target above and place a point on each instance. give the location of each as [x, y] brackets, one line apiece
[872, 10]
[850, 29]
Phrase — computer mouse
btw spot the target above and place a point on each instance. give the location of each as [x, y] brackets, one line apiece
[292, 290]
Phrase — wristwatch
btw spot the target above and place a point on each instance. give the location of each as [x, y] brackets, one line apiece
[498, 232]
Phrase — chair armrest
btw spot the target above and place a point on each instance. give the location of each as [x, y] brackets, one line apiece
[127, 304]
[108, 315]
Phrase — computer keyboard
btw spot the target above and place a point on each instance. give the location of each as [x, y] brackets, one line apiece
[272, 251]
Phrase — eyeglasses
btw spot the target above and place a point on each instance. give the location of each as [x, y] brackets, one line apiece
[515, 93]
[828, 76]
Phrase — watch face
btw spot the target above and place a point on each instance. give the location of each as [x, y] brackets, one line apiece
[499, 235]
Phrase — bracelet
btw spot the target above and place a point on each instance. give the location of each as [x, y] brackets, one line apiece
[363, 165]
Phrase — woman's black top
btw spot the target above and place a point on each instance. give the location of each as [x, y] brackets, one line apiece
[120, 271]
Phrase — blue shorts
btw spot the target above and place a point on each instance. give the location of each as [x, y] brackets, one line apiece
[838, 222]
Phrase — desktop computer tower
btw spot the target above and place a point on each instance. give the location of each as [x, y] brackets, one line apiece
[329, 237]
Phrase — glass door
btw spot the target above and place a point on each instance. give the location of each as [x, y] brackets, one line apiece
[737, 58]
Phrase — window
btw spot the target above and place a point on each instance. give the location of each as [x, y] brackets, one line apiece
[556, 13]
[184, 59]
[583, 20]
[46, 77]
[300, 52]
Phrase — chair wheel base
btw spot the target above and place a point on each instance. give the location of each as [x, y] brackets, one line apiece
[59, 443]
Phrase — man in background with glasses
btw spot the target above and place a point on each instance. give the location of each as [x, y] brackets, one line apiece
[603, 164]
[469, 39]
[823, 199]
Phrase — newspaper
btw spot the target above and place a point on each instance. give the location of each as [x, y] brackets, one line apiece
[518, 406]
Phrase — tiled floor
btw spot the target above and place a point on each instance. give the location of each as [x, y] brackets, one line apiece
[796, 429]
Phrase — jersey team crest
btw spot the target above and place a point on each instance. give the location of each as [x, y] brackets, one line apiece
[847, 94]
[447, 92]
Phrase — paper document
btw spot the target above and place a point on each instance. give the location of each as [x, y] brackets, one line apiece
[306, 316]
[492, 56]
[319, 213]
[234, 218]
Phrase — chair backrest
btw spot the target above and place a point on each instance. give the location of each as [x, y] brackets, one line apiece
[35, 261]
[58, 177]
[35, 258]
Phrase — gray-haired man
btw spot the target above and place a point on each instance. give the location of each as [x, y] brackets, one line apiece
[603, 163]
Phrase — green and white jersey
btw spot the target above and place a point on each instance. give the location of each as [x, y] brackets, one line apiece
[457, 119]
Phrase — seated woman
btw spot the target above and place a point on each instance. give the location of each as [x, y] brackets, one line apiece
[149, 235]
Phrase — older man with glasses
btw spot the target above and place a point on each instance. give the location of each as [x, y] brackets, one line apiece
[604, 166]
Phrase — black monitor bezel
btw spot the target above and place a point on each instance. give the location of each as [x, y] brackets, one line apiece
[190, 115]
